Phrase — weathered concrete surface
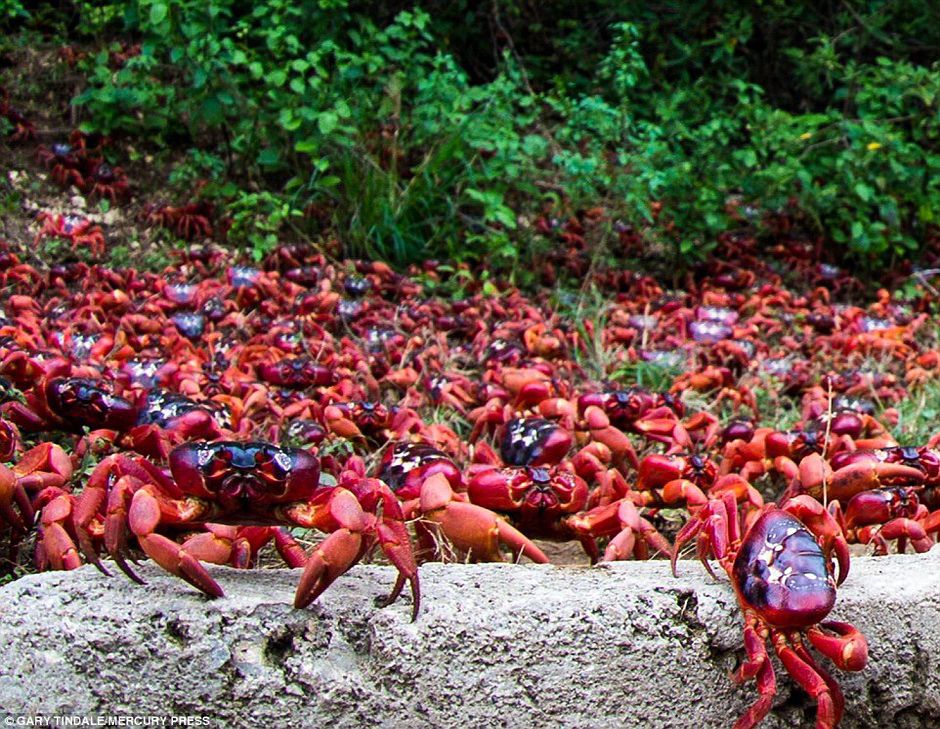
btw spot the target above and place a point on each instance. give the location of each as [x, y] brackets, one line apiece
[494, 645]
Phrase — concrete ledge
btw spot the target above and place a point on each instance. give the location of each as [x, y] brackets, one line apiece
[494, 645]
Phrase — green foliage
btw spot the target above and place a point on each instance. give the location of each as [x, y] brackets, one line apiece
[324, 107]
[257, 218]
[12, 11]
[918, 414]
[673, 116]
[199, 167]
[653, 376]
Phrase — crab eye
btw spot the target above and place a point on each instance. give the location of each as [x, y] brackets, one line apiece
[283, 462]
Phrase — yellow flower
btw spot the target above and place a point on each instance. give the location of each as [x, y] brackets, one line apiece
[872, 146]
[806, 135]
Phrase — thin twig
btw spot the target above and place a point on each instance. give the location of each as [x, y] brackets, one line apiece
[826, 439]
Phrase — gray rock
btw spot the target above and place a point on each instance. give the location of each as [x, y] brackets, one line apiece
[494, 645]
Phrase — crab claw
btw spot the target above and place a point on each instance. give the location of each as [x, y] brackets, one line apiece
[658, 424]
[740, 487]
[847, 648]
[43, 466]
[354, 529]
[472, 528]
[863, 476]
[12, 492]
[335, 554]
[56, 547]
[602, 431]
[821, 523]
[683, 491]
[635, 536]
[656, 471]
[144, 516]
[336, 422]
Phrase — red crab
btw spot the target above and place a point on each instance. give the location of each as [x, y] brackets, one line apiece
[105, 181]
[77, 231]
[357, 419]
[63, 161]
[297, 372]
[23, 129]
[166, 419]
[547, 496]
[653, 415]
[473, 530]
[781, 569]
[689, 479]
[189, 221]
[878, 516]
[551, 503]
[406, 466]
[44, 468]
[67, 521]
[432, 490]
[258, 483]
[72, 403]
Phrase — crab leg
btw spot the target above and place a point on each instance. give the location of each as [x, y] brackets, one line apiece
[828, 706]
[291, 552]
[838, 699]
[354, 530]
[338, 552]
[470, 527]
[756, 665]
[396, 544]
[901, 529]
[144, 517]
[622, 520]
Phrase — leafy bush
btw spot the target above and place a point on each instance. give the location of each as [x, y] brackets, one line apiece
[384, 115]
[309, 100]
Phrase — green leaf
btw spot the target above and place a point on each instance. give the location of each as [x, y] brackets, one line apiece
[327, 121]
[210, 111]
[289, 121]
[307, 146]
[158, 13]
[269, 156]
[864, 192]
[748, 157]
